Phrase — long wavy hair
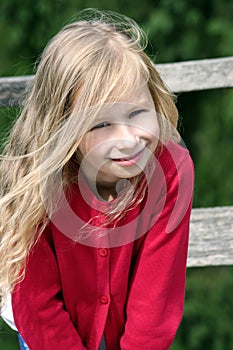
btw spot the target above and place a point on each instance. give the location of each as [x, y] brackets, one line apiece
[97, 59]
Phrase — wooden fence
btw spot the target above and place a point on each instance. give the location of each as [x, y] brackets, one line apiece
[211, 236]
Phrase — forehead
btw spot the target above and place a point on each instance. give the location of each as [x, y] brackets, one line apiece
[139, 98]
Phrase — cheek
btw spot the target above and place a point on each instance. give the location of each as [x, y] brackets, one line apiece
[150, 130]
[97, 141]
[155, 131]
[148, 124]
[87, 144]
[93, 149]
[153, 128]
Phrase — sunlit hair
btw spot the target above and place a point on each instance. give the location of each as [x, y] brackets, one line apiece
[95, 60]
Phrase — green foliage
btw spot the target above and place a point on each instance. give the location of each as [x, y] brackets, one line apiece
[8, 337]
[207, 129]
[178, 30]
[183, 30]
[207, 322]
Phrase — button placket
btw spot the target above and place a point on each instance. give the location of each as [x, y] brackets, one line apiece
[103, 273]
[103, 283]
[103, 260]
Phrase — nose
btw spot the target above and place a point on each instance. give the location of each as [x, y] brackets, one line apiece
[126, 136]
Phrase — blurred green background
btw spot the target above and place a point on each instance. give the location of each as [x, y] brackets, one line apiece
[178, 30]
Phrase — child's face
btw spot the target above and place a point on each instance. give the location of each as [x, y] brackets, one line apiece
[121, 141]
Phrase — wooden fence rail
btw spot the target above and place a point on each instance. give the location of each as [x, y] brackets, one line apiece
[180, 77]
[211, 236]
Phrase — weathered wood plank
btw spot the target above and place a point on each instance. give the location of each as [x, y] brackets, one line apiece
[12, 90]
[198, 75]
[180, 77]
[211, 237]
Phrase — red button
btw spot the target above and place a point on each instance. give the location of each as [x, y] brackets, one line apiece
[103, 299]
[103, 252]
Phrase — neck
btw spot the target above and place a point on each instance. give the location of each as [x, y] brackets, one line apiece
[103, 191]
[106, 193]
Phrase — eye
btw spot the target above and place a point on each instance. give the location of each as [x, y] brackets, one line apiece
[137, 112]
[100, 125]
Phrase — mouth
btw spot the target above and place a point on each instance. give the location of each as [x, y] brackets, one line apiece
[129, 160]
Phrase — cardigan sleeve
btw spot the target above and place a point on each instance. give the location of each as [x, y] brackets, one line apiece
[156, 296]
[38, 309]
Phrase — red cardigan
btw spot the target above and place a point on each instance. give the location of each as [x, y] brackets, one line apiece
[133, 293]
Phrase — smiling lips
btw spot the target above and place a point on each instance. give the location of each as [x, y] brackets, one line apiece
[130, 160]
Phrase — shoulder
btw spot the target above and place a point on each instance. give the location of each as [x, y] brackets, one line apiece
[173, 156]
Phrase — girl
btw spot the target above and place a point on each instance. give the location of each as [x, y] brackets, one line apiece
[96, 197]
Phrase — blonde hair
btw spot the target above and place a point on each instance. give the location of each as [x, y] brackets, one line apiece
[97, 59]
